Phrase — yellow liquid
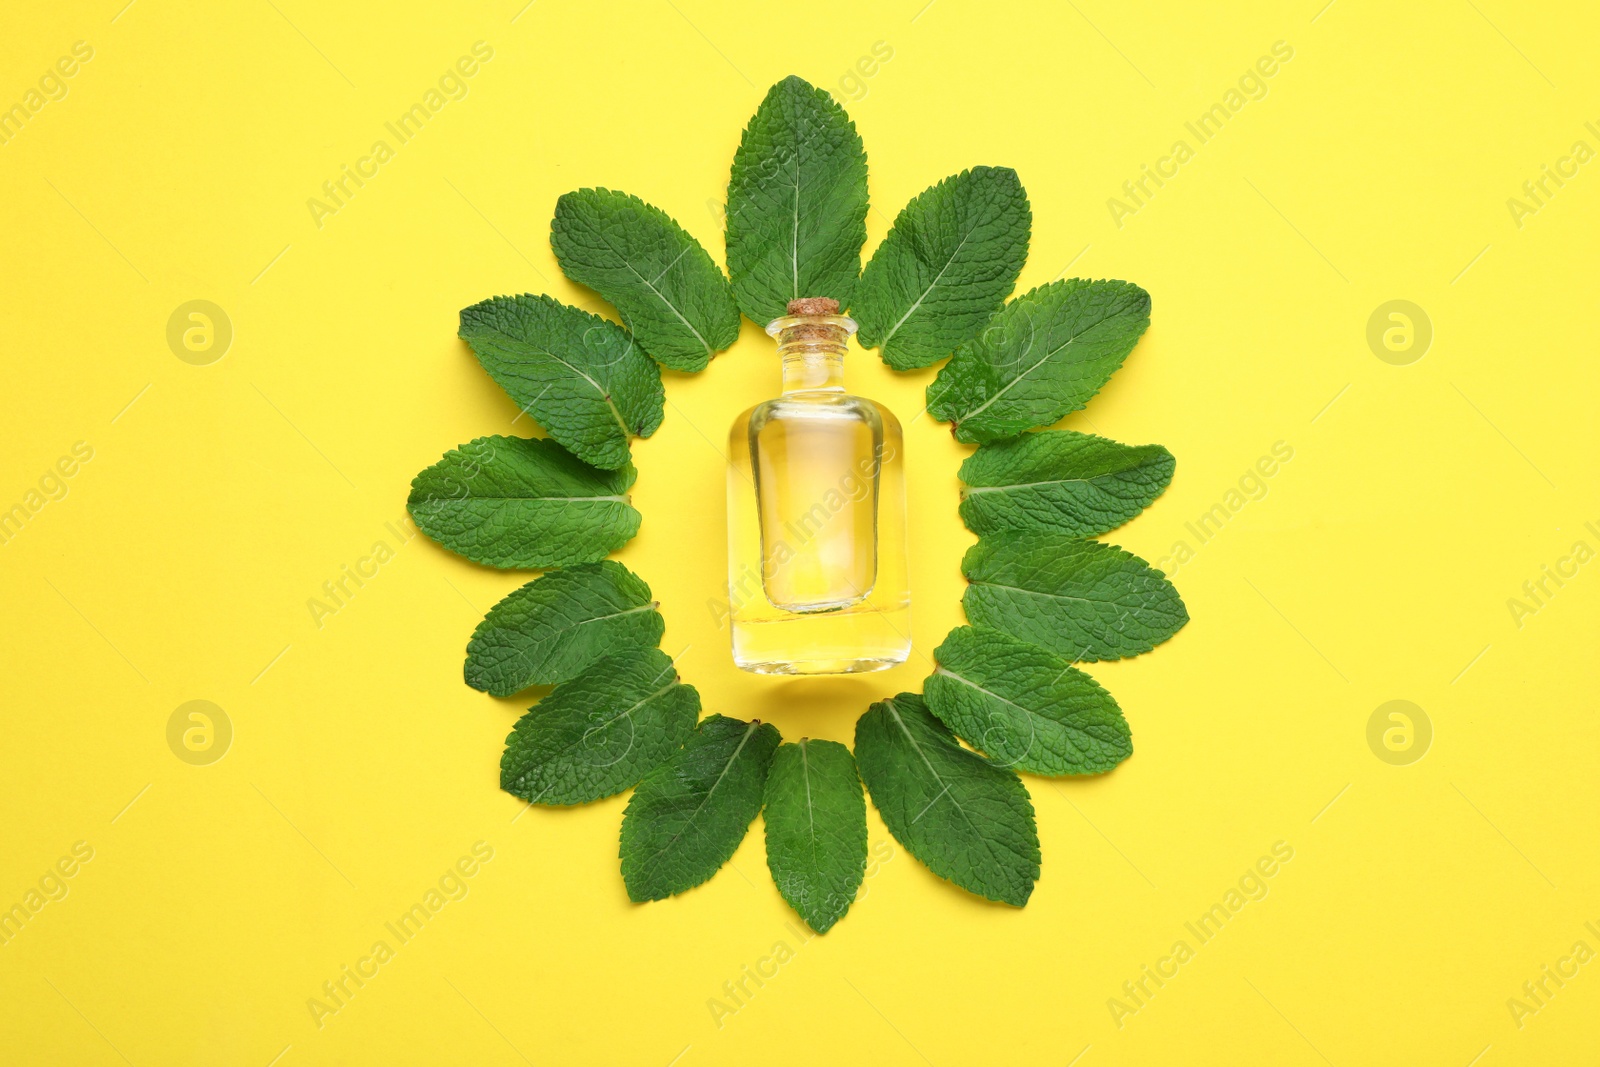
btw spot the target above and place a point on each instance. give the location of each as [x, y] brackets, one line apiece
[816, 564]
[817, 504]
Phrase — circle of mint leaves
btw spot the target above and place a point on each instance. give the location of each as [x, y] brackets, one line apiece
[1043, 596]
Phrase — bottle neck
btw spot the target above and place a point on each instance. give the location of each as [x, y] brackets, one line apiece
[811, 372]
[812, 348]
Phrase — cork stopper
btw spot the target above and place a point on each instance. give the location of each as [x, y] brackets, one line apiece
[814, 305]
[811, 320]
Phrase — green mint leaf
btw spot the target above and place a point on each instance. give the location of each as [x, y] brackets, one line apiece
[601, 732]
[580, 376]
[517, 502]
[557, 625]
[816, 818]
[1040, 358]
[688, 816]
[1083, 599]
[669, 293]
[1027, 708]
[967, 820]
[946, 267]
[1072, 483]
[797, 203]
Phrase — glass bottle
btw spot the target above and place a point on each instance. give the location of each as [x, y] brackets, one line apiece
[817, 580]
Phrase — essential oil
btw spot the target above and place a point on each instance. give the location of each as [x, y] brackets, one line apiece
[817, 575]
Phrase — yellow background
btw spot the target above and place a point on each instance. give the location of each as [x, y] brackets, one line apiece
[1378, 565]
